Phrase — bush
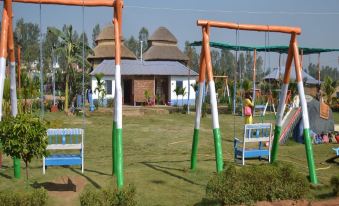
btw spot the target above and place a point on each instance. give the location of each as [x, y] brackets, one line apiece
[36, 197]
[250, 184]
[335, 184]
[108, 197]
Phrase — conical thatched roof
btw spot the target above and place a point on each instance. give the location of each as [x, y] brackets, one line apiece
[164, 52]
[162, 34]
[107, 51]
[164, 47]
[105, 48]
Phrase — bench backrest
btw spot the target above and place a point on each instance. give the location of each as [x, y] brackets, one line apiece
[65, 136]
[260, 132]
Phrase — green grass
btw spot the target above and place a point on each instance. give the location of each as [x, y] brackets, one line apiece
[157, 156]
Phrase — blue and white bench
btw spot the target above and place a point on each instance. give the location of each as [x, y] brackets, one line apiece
[64, 140]
[336, 150]
[254, 133]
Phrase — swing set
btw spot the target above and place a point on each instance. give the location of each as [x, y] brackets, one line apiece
[207, 73]
[7, 46]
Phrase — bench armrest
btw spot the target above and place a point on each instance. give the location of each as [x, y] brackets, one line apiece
[237, 140]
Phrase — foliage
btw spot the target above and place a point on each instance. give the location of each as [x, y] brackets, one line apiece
[27, 36]
[27, 198]
[250, 184]
[134, 44]
[108, 196]
[204, 109]
[335, 184]
[95, 33]
[246, 85]
[147, 95]
[183, 93]
[70, 46]
[193, 57]
[328, 88]
[324, 71]
[177, 91]
[100, 88]
[24, 137]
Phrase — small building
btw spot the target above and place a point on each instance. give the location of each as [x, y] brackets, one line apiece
[157, 75]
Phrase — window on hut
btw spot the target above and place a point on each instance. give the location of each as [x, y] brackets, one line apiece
[108, 85]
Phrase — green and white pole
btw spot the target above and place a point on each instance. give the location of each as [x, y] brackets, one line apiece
[213, 101]
[118, 145]
[307, 138]
[118, 130]
[216, 130]
[195, 143]
[278, 124]
[282, 103]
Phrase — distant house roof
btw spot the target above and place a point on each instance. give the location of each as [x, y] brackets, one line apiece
[106, 33]
[164, 35]
[137, 67]
[275, 75]
[164, 47]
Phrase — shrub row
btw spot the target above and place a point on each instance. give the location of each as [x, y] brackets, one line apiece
[36, 197]
[108, 197]
[250, 184]
[335, 185]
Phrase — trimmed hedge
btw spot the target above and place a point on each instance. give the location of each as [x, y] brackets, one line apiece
[250, 184]
[108, 197]
[335, 185]
[35, 197]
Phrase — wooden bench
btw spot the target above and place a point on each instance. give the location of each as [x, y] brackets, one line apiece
[64, 140]
[254, 133]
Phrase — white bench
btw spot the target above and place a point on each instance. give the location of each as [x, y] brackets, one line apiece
[63, 140]
[254, 133]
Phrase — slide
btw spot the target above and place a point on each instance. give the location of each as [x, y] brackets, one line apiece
[289, 122]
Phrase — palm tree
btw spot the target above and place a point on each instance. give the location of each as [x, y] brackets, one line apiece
[100, 87]
[183, 93]
[71, 48]
[328, 88]
[177, 91]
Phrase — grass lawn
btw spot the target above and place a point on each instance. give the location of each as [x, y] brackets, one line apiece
[157, 151]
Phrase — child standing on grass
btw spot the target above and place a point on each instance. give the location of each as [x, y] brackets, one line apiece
[248, 109]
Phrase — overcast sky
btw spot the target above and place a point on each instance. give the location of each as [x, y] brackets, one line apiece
[319, 20]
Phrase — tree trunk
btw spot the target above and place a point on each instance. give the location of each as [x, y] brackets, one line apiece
[0, 159]
[66, 93]
[26, 164]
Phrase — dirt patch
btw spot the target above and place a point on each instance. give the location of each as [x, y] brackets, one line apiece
[329, 202]
[65, 190]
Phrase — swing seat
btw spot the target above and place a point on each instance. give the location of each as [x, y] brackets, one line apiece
[67, 146]
[336, 150]
[254, 134]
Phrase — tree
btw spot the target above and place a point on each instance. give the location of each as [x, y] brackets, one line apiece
[177, 91]
[71, 51]
[24, 137]
[227, 63]
[27, 36]
[95, 33]
[215, 58]
[100, 88]
[249, 65]
[132, 44]
[242, 63]
[328, 87]
[143, 36]
[183, 93]
[193, 57]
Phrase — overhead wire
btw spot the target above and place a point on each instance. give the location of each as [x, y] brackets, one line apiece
[232, 11]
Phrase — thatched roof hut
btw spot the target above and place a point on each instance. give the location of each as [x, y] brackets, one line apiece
[105, 48]
[164, 47]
